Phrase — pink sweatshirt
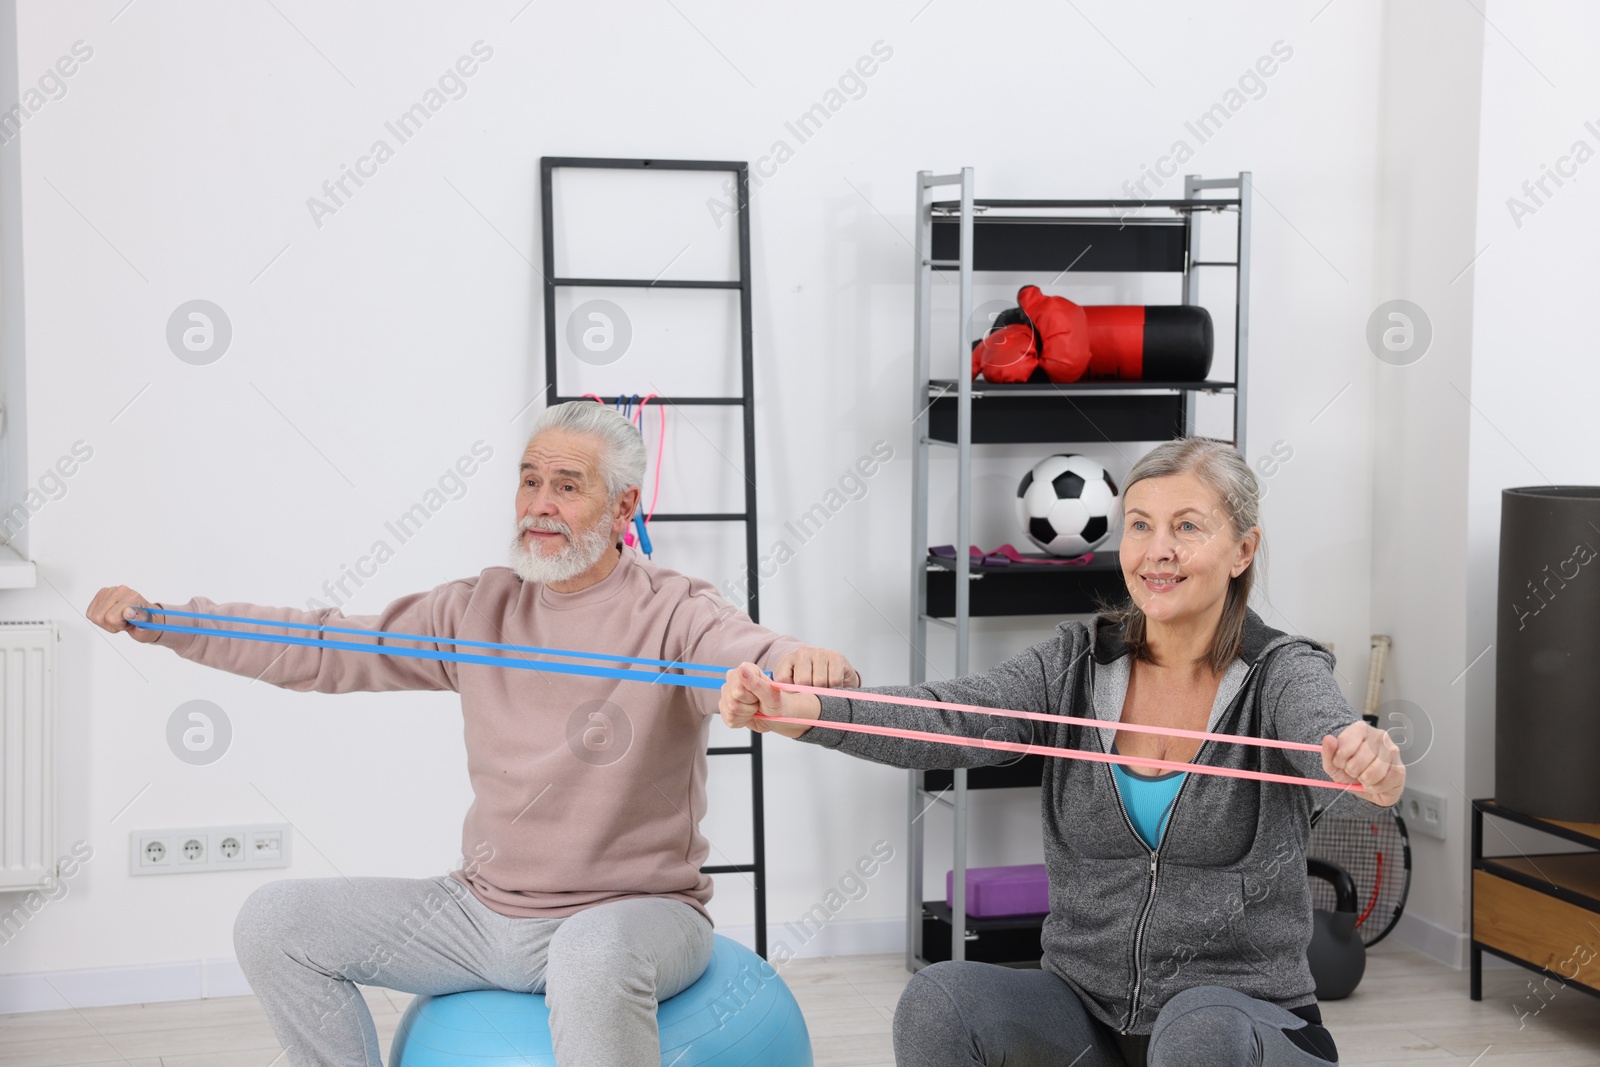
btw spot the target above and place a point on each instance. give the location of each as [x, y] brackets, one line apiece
[586, 790]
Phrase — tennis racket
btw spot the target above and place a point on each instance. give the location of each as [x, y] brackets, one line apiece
[1367, 841]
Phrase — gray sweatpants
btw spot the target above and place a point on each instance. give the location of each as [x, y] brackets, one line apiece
[306, 944]
[965, 1014]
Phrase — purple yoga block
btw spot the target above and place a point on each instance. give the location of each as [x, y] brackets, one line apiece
[997, 891]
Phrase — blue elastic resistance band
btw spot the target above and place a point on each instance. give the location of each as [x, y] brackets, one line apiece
[528, 649]
[661, 678]
[644, 533]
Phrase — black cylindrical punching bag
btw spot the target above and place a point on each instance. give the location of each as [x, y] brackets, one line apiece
[1547, 665]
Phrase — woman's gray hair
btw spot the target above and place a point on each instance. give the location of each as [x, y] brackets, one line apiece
[1224, 471]
[622, 458]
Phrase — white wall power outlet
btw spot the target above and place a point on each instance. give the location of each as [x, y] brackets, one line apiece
[216, 848]
[1424, 812]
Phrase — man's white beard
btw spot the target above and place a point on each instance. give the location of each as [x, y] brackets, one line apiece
[581, 552]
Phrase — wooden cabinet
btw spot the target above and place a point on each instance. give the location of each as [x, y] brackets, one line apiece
[1541, 911]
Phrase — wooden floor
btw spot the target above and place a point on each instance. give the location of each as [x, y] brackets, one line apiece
[1408, 1010]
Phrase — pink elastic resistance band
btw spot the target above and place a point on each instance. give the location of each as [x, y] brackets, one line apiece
[661, 449]
[1048, 750]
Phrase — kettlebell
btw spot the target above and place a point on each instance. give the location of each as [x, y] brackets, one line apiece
[1337, 955]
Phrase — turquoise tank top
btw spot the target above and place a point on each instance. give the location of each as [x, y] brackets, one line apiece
[1148, 800]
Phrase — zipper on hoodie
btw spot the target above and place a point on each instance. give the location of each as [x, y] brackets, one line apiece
[1155, 861]
[1150, 895]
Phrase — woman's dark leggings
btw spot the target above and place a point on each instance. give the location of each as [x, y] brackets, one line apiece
[966, 1014]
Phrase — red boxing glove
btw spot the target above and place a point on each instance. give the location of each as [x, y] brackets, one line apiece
[1063, 332]
[1006, 354]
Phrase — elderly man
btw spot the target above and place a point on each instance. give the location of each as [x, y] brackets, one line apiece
[581, 851]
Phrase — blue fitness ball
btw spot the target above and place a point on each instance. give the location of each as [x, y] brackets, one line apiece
[739, 1013]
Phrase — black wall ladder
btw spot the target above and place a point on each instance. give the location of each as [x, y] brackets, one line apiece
[746, 401]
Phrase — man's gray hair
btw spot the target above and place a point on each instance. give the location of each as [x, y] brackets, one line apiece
[622, 458]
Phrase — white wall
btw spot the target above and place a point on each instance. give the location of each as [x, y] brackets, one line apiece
[1533, 381]
[375, 350]
[1432, 59]
[1500, 400]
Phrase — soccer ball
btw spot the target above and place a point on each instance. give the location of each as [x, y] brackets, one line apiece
[1065, 503]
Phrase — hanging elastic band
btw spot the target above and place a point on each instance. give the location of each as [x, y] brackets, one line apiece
[661, 451]
[644, 534]
[641, 519]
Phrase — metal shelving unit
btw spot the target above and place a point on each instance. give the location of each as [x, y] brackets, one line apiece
[1052, 237]
[746, 401]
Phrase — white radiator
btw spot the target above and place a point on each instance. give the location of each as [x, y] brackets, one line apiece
[27, 753]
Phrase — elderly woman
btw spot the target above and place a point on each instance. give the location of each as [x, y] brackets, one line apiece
[1179, 911]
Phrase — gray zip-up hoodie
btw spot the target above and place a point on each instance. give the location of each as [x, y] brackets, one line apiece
[1223, 900]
